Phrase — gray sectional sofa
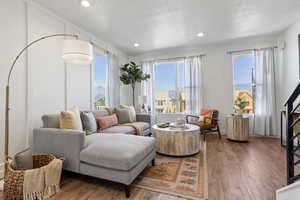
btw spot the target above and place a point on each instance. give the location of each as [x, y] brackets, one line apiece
[115, 154]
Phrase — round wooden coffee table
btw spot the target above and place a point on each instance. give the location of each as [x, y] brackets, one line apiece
[177, 142]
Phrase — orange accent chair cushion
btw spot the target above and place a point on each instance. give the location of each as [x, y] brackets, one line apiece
[207, 113]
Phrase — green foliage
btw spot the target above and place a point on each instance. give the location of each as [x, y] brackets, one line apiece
[131, 74]
[241, 103]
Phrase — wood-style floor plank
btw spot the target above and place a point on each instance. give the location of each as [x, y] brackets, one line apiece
[236, 171]
[247, 171]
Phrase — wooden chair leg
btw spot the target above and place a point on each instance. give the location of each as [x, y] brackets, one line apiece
[127, 190]
[219, 133]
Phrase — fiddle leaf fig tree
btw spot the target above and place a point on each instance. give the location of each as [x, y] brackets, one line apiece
[131, 73]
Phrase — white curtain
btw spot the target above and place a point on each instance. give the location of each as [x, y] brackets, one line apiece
[147, 87]
[265, 102]
[193, 83]
[113, 81]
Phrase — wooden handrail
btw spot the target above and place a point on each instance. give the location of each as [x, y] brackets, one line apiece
[294, 95]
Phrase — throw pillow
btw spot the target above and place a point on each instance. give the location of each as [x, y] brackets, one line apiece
[201, 118]
[131, 110]
[207, 115]
[71, 119]
[110, 110]
[108, 121]
[23, 160]
[206, 112]
[207, 120]
[124, 116]
[89, 122]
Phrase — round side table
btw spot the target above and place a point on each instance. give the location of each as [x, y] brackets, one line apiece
[176, 142]
[237, 128]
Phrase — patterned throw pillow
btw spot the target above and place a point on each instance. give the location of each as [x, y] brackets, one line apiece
[70, 119]
[207, 120]
[107, 121]
[89, 122]
[131, 110]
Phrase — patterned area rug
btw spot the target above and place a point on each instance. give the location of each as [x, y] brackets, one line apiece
[180, 176]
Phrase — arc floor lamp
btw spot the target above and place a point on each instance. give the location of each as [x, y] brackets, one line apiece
[75, 52]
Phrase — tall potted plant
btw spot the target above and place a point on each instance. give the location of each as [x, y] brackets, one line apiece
[131, 73]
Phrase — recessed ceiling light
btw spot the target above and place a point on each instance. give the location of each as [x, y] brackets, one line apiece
[85, 3]
[200, 34]
[136, 44]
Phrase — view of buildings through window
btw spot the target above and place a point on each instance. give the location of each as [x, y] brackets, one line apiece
[169, 87]
[100, 81]
[244, 84]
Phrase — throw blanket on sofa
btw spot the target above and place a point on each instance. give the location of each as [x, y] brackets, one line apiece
[42, 183]
[110, 111]
[138, 130]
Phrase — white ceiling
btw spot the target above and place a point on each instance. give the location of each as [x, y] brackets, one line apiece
[158, 24]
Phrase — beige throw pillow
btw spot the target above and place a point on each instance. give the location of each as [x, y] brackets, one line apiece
[131, 111]
[70, 119]
[124, 116]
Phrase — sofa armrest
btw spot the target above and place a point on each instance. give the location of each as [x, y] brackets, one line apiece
[61, 143]
[143, 117]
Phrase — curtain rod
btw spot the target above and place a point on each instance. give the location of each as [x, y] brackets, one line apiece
[174, 58]
[231, 52]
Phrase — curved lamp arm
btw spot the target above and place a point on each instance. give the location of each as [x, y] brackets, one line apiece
[31, 43]
[7, 87]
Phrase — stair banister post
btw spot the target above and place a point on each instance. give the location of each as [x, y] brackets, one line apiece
[289, 142]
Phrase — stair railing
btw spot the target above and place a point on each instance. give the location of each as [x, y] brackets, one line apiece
[292, 136]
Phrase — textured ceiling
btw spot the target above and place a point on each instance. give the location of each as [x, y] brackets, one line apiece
[158, 24]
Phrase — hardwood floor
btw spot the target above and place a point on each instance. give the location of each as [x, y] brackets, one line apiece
[236, 171]
[246, 171]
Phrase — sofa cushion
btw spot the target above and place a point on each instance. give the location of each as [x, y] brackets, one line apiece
[119, 129]
[106, 122]
[124, 115]
[23, 160]
[89, 122]
[116, 151]
[126, 129]
[142, 125]
[131, 110]
[100, 113]
[70, 119]
[51, 121]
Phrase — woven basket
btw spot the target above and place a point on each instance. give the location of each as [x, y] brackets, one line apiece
[14, 179]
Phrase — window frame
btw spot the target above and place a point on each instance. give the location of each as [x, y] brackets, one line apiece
[177, 62]
[253, 82]
[100, 53]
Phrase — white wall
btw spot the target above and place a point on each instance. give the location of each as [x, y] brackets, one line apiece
[41, 83]
[13, 36]
[288, 70]
[217, 72]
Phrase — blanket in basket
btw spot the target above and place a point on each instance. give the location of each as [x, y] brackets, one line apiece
[43, 182]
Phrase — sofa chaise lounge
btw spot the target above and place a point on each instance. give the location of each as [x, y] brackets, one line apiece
[116, 155]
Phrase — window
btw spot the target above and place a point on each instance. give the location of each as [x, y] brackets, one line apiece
[244, 83]
[169, 87]
[100, 81]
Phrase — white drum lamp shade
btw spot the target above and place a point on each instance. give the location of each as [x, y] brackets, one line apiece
[78, 52]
